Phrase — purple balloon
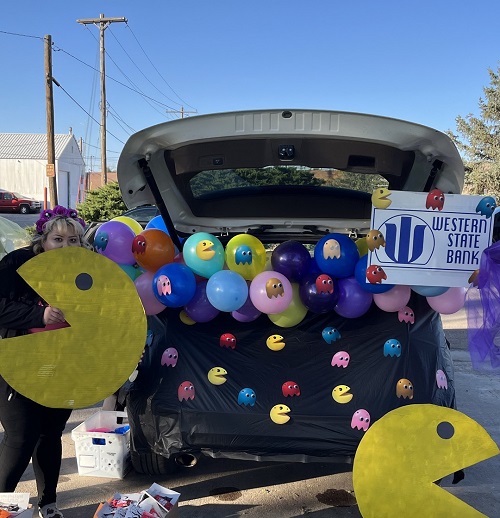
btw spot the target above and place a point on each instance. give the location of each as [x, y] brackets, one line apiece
[247, 313]
[199, 308]
[114, 240]
[292, 259]
[353, 301]
[318, 292]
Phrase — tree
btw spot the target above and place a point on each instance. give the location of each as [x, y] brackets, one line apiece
[479, 142]
[102, 204]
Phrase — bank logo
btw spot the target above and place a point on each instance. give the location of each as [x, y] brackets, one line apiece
[409, 241]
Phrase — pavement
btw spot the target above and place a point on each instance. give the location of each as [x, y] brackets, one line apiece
[228, 488]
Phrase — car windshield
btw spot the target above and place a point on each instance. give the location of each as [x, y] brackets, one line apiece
[209, 182]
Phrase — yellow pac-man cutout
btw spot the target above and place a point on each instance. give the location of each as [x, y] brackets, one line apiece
[80, 365]
[402, 454]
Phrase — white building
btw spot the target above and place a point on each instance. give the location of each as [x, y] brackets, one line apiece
[23, 167]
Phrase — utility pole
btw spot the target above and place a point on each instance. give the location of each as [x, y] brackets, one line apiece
[102, 23]
[49, 98]
[181, 111]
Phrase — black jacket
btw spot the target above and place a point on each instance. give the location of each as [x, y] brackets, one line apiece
[19, 303]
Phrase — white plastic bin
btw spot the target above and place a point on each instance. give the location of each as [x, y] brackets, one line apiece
[102, 454]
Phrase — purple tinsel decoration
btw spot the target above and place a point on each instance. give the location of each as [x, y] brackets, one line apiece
[483, 313]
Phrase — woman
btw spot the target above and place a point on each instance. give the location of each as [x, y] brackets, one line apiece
[33, 431]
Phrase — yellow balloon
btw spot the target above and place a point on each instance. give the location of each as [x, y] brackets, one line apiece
[362, 246]
[293, 314]
[80, 365]
[130, 222]
[246, 255]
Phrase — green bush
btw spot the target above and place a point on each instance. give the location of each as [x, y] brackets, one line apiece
[102, 204]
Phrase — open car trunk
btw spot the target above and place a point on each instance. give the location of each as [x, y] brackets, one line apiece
[281, 175]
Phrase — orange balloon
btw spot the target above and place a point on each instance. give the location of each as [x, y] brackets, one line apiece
[153, 248]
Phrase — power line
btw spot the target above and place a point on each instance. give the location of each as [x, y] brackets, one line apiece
[22, 35]
[59, 49]
[102, 23]
[141, 71]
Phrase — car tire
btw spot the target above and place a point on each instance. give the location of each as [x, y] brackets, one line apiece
[24, 209]
[152, 464]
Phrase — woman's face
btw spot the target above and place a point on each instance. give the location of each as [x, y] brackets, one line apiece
[61, 237]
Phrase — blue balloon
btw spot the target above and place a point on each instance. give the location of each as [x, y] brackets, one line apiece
[337, 255]
[174, 285]
[360, 274]
[157, 222]
[227, 290]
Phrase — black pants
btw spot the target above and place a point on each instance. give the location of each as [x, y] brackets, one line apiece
[32, 431]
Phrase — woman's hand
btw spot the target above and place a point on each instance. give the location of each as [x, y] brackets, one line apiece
[53, 315]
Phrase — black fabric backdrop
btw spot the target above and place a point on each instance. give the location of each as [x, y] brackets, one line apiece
[319, 427]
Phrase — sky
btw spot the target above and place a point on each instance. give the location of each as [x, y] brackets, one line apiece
[424, 61]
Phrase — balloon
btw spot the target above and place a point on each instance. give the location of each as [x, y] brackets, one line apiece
[227, 290]
[144, 286]
[394, 299]
[337, 255]
[429, 291]
[203, 253]
[293, 314]
[174, 285]
[270, 292]
[130, 222]
[248, 312]
[153, 248]
[130, 270]
[318, 292]
[114, 240]
[157, 222]
[449, 302]
[199, 308]
[353, 301]
[292, 259]
[246, 255]
[360, 274]
[362, 246]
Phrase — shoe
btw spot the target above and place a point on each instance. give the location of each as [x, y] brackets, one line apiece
[50, 511]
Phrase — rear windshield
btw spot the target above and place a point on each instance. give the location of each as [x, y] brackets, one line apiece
[213, 182]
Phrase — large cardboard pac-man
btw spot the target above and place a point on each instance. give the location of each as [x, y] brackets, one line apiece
[80, 365]
[406, 451]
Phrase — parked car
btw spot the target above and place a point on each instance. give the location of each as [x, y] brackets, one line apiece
[142, 215]
[280, 176]
[14, 202]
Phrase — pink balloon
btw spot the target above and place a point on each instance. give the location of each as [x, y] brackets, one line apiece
[449, 302]
[394, 299]
[144, 287]
[270, 292]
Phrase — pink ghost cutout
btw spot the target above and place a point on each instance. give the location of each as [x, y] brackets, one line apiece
[340, 359]
[170, 357]
[441, 380]
[163, 285]
[406, 315]
[185, 391]
[360, 420]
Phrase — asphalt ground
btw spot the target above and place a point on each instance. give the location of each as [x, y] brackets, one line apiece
[228, 488]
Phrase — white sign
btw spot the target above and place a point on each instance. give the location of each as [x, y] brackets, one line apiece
[431, 239]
